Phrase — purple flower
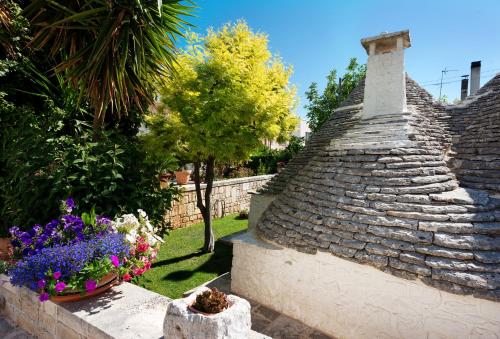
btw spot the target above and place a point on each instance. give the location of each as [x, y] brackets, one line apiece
[60, 286]
[67, 261]
[41, 283]
[43, 297]
[90, 285]
[114, 260]
[14, 230]
[26, 238]
[70, 204]
[102, 220]
[51, 226]
[37, 229]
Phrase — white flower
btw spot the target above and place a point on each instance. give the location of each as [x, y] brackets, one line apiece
[131, 236]
[142, 214]
[134, 227]
[149, 227]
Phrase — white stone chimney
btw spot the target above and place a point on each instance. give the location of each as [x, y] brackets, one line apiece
[385, 83]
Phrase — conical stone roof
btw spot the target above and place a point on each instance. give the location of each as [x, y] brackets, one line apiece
[382, 191]
[475, 125]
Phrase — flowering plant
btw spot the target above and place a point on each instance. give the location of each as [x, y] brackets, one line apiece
[70, 254]
[144, 242]
[67, 229]
[71, 268]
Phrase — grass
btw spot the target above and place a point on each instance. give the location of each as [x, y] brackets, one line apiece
[181, 266]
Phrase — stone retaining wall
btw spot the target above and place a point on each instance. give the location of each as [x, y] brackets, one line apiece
[228, 196]
[126, 311]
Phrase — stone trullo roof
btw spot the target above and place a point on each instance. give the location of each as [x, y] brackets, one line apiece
[383, 190]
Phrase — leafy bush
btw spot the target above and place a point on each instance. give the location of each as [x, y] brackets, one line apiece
[243, 214]
[265, 160]
[46, 147]
[241, 172]
[47, 156]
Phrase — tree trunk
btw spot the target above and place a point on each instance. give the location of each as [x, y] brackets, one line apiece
[204, 203]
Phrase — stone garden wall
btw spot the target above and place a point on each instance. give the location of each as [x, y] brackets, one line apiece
[126, 311]
[228, 196]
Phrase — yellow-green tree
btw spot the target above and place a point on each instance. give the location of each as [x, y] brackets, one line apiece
[229, 93]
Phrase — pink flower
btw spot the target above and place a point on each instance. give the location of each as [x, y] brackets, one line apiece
[43, 297]
[114, 260]
[127, 277]
[60, 286]
[57, 275]
[90, 285]
[138, 271]
[147, 265]
[41, 283]
[142, 247]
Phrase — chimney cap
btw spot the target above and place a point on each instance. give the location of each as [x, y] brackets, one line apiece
[475, 64]
[387, 38]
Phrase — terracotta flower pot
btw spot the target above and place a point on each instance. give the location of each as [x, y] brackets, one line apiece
[182, 177]
[4, 248]
[108, 281]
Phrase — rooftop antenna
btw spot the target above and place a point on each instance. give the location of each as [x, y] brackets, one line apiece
[443, 72]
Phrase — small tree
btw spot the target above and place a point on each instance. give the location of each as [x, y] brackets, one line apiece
[320, 107]
[229, 94]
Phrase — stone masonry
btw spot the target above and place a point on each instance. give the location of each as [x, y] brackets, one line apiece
[228, 196]
[411, 193]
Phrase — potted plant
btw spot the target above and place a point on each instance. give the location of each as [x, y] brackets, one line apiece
[165, 171]
[208, 314]
[76, 257]
[182, 176]
[5, 247]
[69, 258]
[210, 302]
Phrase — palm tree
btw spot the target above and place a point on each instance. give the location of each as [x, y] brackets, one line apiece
[112, 52]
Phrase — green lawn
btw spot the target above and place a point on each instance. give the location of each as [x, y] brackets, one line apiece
[181, 266]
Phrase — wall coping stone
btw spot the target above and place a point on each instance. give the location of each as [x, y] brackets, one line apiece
[125, 311]
[228, 182]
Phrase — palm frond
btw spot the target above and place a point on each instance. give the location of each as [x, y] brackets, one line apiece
[112, 52]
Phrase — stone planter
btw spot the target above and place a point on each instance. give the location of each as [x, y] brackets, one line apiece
[182, 323]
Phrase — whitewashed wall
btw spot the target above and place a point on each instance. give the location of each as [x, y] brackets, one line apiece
[349, 300]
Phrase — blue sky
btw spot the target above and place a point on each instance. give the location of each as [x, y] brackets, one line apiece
[316, 36]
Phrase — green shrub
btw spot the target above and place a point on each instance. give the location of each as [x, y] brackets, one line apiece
[46, 147]
[43, 163]
[265, 160]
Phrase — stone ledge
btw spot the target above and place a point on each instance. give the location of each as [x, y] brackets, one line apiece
[228, 182]
[126, 311]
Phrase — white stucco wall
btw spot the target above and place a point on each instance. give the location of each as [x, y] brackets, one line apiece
[385, 90]
[258, 204]
[350, 300]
